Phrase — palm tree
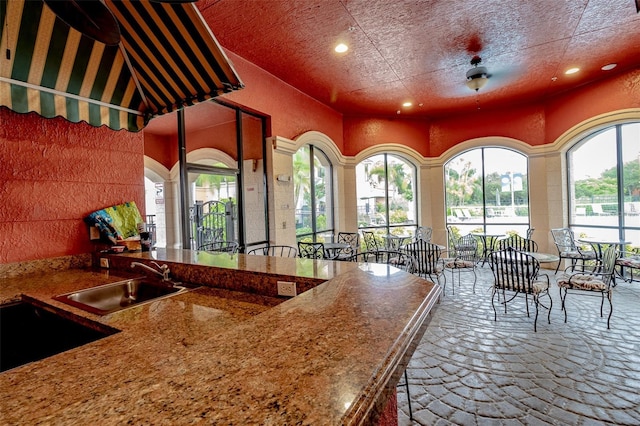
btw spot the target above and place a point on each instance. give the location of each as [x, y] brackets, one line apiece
[461, 180]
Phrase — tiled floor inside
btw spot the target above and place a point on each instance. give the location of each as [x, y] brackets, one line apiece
[469, 369]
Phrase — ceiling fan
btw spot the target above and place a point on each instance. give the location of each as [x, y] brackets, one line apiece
[478, 76]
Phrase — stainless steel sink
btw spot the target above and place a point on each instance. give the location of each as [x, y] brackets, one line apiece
[120, 295]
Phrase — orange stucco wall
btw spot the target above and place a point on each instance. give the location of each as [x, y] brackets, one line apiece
[163, 149]
[292, 112]
[535, 124]
[53, 174]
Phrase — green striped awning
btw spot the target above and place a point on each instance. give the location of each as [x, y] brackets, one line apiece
[167, 59]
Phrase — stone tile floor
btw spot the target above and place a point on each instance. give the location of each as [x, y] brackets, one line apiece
[469, 369]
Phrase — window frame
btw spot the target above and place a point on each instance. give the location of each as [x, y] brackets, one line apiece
[326, 234]
[574, 220]
[388, 226]
[482, 222]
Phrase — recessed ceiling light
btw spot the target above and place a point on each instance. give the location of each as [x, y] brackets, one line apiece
[572, 70]
[608, 67]
[341, 48]
[407, 104]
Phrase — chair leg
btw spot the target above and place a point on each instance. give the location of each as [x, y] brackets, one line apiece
[493, 296]
[601, 305]
[550, 306]
[610, 308]
[535, 320]
[562, 298]
[559, 262]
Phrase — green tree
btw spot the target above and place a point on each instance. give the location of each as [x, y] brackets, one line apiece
[607, 183]
[301, 176]
[461, 181]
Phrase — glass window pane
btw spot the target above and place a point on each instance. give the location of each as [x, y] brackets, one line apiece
[602, 205]
[322, 192]
[487, 190]
[631, 179]
[313, 194]
[594, 180]
[506, 186]
[302, 189]
[463, 187]
[213, 208]
[254, 199]
[385, 186]
[401, 178]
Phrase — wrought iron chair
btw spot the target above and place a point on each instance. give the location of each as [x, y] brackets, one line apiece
[464, 259]
[568, 249]
[423, 233]
[530, 233]
[370, 242]
[518, 273]
[311, 250]
[351, 238]
[428, 262]
[231, 247]
[629, 260]
[275, 250]
[518, 243]
[597, 279]
[402, 261]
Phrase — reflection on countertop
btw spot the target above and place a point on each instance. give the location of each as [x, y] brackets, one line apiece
[331, 355]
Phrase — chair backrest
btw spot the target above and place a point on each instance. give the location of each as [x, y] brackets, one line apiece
[530, 233]
[311, 250]
[390, 257]
[370, 242]
[563, 238]
[423, 233]
[514, 270]
[221, 247]
[451, 237]
[518, 243]
[351, 238]
[466, 248]
[275, 250]
[607, 268]
[427, 256]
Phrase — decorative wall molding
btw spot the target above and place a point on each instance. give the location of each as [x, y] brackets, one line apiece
[593, 125]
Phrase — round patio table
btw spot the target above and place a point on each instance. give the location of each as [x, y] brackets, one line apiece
[600, 244]
[488, 240]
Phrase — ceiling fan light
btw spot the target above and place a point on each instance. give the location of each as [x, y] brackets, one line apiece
[477, 82]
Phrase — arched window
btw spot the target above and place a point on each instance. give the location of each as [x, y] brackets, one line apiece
[604, 184]
[386, 192]
[313, 194]
[487, 190]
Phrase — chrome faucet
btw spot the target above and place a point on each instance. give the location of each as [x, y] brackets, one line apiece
[163, 270]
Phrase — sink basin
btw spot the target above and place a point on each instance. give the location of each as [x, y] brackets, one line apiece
[120, 295]
[29, 333]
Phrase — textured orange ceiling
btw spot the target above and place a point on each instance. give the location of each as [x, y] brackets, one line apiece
[419, 51]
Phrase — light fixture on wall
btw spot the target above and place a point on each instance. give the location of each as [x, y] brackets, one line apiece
[477, 77]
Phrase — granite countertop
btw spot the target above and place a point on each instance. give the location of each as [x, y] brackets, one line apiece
[218, 356]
